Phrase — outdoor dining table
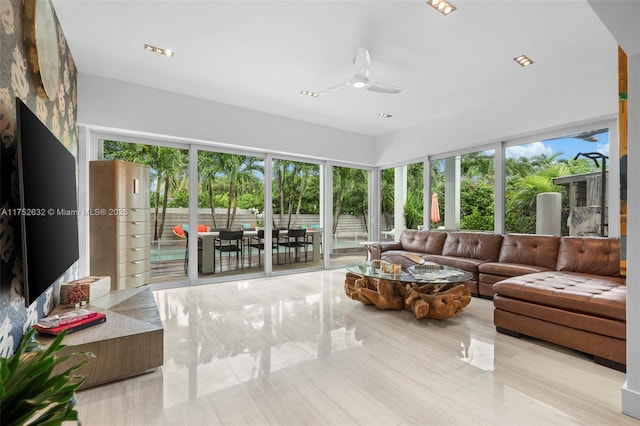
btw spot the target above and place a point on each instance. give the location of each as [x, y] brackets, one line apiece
[208, 249]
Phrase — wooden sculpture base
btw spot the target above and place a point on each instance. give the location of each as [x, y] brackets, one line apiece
[437, 300]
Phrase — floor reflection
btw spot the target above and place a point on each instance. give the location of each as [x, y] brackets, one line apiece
[292, 350]
[222, 343]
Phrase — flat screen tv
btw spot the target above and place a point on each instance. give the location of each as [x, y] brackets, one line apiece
[48, 204]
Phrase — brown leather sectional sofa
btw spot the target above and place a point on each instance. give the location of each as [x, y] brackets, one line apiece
[565, 290]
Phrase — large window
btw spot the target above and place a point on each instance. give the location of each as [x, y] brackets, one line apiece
[387, 203]
[296, 210]
[401, 199]
[230, 199]
[231, 196]
[464, 187]
[169, 201]
[572, 167]
[413, 209]
[350, 225]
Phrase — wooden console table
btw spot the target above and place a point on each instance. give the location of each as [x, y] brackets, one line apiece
[129, 343]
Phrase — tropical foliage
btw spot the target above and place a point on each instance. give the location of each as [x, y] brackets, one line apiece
[226, 181]
[350, 194]
[296, 190]
[525, 178]
[231, 182]
[167, 168]
[31, 393]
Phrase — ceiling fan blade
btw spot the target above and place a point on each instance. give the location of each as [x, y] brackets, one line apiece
[376, 86]
[362, 62]
[333, 89]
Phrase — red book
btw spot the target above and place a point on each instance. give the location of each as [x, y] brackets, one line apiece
[98, 318]
[66, 318]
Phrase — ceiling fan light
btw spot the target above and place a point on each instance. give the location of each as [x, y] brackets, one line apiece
[359, 84]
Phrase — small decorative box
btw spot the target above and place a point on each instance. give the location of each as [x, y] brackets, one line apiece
[84, 290]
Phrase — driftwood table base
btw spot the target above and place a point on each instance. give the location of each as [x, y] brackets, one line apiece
[437, 300]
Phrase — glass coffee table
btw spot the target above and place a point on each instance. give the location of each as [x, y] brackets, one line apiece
[427, 289]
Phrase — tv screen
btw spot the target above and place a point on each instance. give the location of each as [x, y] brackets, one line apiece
[48, 204]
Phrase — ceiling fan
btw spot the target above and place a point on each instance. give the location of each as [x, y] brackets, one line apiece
[360, 78]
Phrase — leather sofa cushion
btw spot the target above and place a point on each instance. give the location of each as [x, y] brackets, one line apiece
[429, 242]
[536, 250]
[489, 279]
[589, 255]
[376, 250]
[580, 321]
[470, 265]
[577, 292]
[473, 245]
[509, 269]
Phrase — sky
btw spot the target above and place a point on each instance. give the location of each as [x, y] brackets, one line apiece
[569, 147]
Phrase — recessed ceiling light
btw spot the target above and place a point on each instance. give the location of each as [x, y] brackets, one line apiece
[384, 115]
[523, 60]
[442, 6]
[308, 93]
[166, 52]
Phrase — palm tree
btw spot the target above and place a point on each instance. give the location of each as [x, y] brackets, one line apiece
[166, 166]
[208, 168]
[294, 183]
[544, 161]
[235, 171]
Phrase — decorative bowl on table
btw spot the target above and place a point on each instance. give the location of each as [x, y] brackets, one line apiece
[431, 274]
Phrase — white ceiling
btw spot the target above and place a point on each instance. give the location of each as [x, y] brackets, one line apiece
[260, 54]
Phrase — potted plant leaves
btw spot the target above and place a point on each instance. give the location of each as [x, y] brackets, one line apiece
[31, 393]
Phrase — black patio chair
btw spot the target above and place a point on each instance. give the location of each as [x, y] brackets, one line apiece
[258, 243]
[229, 242]
[295, 239]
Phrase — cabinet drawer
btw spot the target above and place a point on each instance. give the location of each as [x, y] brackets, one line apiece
[131, 254]
[135, 280]
[133, 267]
[133, 228]
[134, 215]
[133, 241]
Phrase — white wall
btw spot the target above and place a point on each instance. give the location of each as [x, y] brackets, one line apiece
[504, 119]
[112, 104]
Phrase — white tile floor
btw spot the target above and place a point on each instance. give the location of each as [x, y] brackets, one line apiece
[294, 350]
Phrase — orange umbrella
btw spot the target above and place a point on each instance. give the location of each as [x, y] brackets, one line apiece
[435, 208]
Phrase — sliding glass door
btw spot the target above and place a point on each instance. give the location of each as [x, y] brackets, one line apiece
[230, 213]
[350, 221]
[168, 183]
[295, 215]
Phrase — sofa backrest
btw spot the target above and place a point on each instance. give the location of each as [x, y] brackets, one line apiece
[527, 249]
[589, 255]
[422, 241]
[474, 245]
